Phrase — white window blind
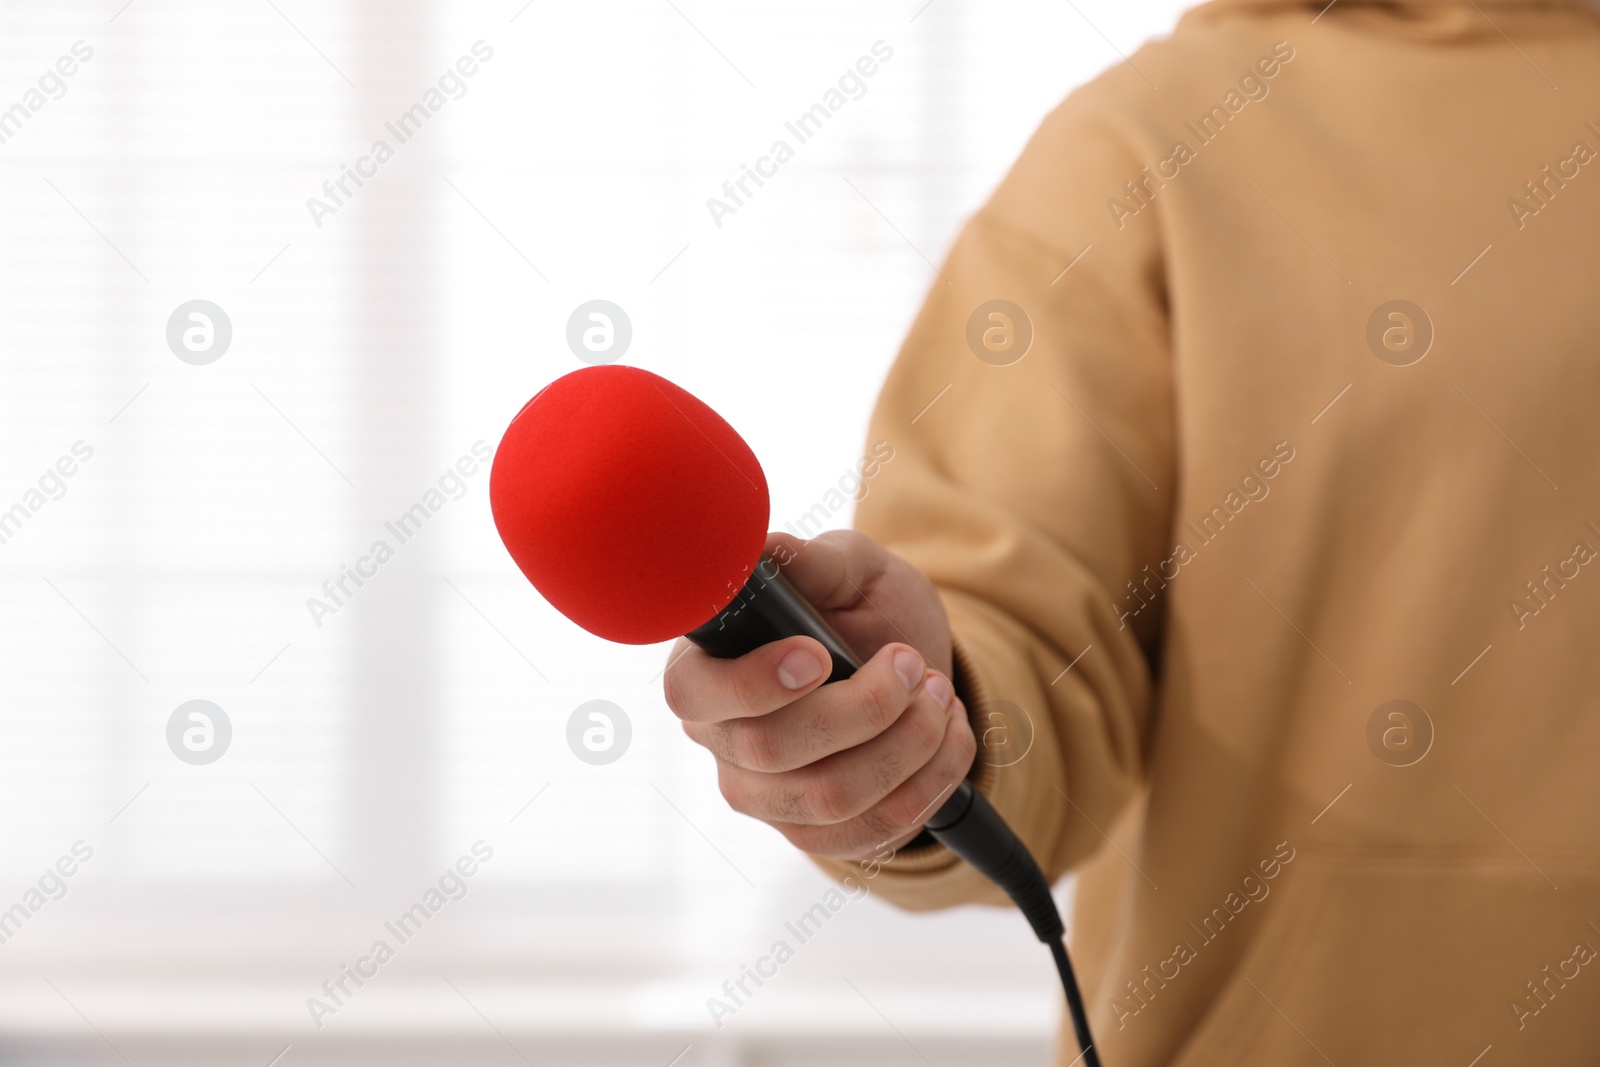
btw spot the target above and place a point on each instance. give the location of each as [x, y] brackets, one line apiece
[377, 336]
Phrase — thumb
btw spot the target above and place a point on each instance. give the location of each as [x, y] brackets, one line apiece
[833, 570]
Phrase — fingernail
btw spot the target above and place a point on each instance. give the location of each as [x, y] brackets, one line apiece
[798, 669]
[940, 689]
[908, 665]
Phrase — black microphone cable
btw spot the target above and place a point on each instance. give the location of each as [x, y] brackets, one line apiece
[1080, 1015]
[968, 825]
[769, 608]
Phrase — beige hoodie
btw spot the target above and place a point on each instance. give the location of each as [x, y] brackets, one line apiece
[1204, 501]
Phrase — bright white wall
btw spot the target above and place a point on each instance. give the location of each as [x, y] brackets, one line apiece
[368, 354]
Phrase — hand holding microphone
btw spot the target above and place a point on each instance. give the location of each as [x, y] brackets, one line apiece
[843, 770]
[641, 515]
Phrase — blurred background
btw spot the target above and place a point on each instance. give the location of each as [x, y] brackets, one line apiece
[223, 375]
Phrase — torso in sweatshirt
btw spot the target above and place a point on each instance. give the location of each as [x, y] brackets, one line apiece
[1282, 535]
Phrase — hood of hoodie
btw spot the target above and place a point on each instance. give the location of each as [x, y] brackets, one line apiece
[1464, 20]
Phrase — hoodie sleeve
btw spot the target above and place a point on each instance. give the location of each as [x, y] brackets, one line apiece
[1030, 413]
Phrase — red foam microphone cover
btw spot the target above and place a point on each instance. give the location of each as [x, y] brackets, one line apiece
[630, 505]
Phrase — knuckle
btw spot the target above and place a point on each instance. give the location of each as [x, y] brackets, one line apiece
[880, 703]
[832, 537]
[892, 821]
[925, 730]
[888, 771]
[754, 745]
[787, 805]
[846, 542]
[897, 817]
[963, 747]
[732, 792]
[831, 799]
[672, 689]
[818, 734]
[712, 736]
[697, 733]
[882, 824]
[907, 810]
[902, 811]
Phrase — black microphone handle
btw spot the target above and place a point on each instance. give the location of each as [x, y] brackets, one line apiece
[768, 608]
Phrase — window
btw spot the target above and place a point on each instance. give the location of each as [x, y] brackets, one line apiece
[381, 329]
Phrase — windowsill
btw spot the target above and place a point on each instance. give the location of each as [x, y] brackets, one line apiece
[32, 1009]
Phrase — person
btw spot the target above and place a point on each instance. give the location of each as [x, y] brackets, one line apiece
[1238, 542]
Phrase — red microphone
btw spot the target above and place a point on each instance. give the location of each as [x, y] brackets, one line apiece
[634, 508]
[640, 515]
